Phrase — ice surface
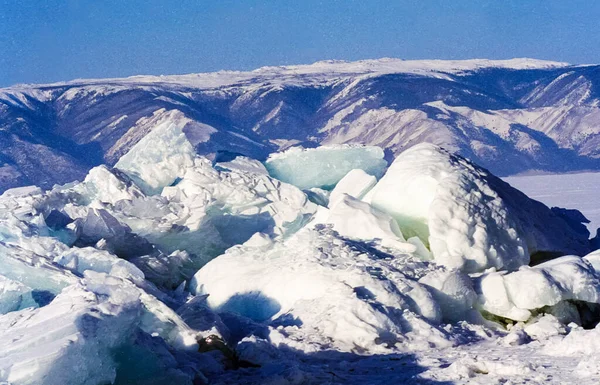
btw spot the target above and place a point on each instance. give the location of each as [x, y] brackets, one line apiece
[318, 196]
[78, 315]
[80, 260]
[33, 270]
[59, 344]
[324, 166]
[243, 164]
[159, 157]
[74, 338]
[355, 219]
[205, 211]
[108, 186]
[574, 191]
[14, 295]
[99, 225]
[545, 327]
[356, 183]
[124, 277]
[594, 259]
[64, 332]
[454, 293]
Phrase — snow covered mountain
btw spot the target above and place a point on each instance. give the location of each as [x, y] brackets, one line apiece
[508, 116]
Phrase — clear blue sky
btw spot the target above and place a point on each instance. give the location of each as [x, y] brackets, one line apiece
[52, 40]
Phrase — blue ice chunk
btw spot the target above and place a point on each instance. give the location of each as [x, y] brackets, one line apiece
[324, 167]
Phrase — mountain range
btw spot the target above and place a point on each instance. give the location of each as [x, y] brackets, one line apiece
[510, 116]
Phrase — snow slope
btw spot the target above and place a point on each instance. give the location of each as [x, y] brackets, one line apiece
[508, 116]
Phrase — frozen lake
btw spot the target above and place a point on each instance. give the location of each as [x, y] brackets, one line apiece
[575, 191]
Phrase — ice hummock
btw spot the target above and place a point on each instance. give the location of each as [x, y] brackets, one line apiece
[74, 338]
[339, 293]
[324, 166]
[470, 219]
[517, 294]
[203, 214]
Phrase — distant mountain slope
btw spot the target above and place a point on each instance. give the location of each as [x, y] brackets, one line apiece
[509, 116]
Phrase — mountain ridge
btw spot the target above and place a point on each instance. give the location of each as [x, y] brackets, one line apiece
[381, 65]
[510, 116]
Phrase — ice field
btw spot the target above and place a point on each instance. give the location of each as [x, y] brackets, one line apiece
[577, 191]
[322, 265]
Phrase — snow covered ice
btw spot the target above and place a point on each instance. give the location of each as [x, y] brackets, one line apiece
[343, 297]
[173, 268]
[470, 219]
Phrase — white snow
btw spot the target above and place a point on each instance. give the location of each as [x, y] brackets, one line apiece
[337, 293]
[453, 291]
[331, 68]
[514, 295]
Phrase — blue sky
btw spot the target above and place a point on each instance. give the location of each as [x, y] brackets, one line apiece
[52, 40]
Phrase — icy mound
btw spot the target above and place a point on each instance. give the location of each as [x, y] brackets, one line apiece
[324, 167]
[316, 290]
[470, 219]
[516, 294]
